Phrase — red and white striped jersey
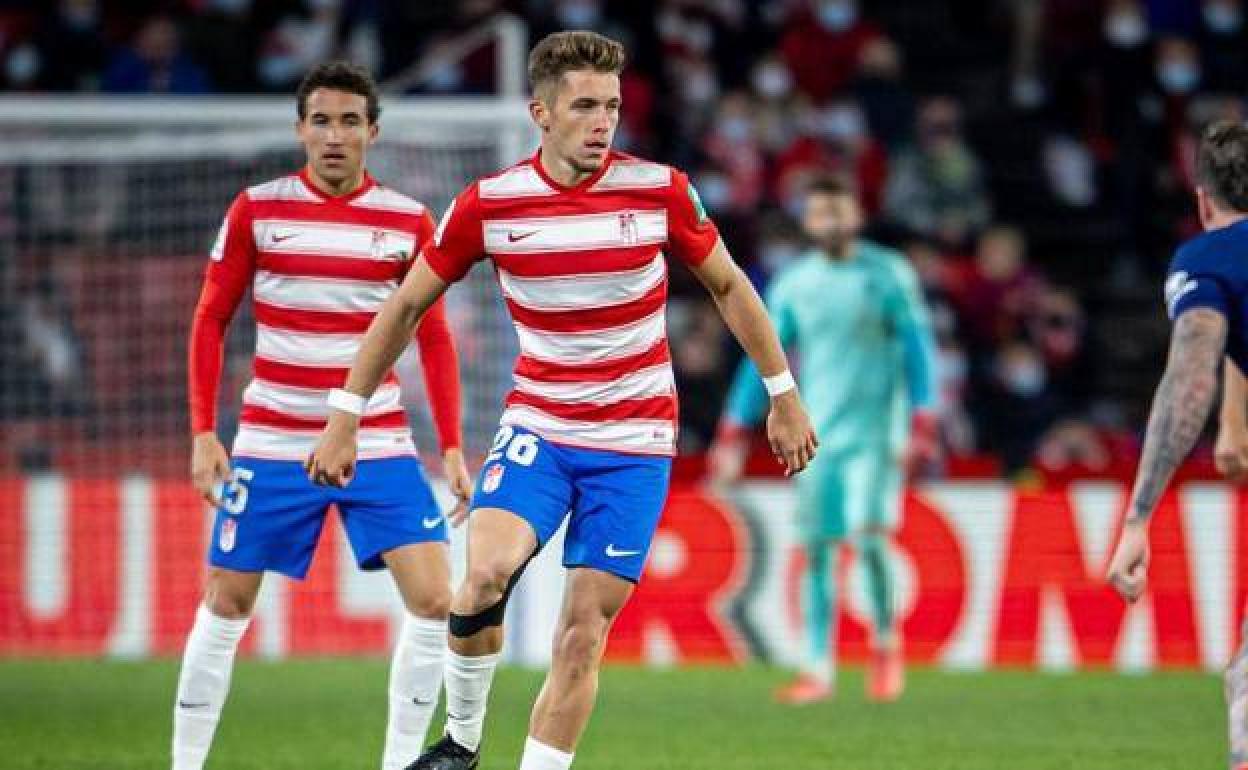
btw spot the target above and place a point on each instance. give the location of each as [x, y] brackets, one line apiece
[583, 273]
[320, 268]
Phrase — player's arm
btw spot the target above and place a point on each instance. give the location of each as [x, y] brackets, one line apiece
[788, 427]
[1180, 407]
[440, 365]
[225, 281]
[918, 359]
[455, 246]
[1230, 453]
[747, 400]
[333, 459]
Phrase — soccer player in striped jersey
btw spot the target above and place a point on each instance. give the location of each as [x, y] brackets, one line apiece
[577, 234]
[1206, 297]
[321, 251]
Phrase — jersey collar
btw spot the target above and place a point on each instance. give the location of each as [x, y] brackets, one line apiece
[366, 184]
[581, 186]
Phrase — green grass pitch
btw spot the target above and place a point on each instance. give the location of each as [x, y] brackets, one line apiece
[323, 714]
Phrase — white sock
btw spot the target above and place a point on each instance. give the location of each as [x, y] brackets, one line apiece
[467, 690]
[415, 679]
[203, 684]
[539, 756]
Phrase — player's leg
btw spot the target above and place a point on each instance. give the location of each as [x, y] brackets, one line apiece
[208, 662]
[619, 499]
[875, 489]
[591, 601]
[270, 520]
[521, 498]
[423, 574]
[392, 520]
[820, 527]
[1237, 705]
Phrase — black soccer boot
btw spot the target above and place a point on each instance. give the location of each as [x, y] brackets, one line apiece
[446, 754]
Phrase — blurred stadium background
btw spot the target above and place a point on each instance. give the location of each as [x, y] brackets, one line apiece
[1032, 157]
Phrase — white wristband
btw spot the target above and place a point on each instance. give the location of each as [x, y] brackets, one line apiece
[347, 401]
[780, 384]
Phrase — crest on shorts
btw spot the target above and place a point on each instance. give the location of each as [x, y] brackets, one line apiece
[229, 533]
[493, 478]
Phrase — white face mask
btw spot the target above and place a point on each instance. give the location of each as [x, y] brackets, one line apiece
[841, 123]
[701, 88]
[772, 81]
[736, 129]
[1178, 76]
[1223, 18]
[22, 65]
[837, 15]
[713, 190]
[1126, 30]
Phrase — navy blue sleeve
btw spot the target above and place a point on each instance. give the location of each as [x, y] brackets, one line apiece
[1198, 278]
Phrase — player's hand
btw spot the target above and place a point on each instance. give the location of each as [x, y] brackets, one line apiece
[210, 466]
[460, 481]
[726, 457]
[790, 433]
[332, 461]
[1230, 452]
[1128, 570]
[923, 447]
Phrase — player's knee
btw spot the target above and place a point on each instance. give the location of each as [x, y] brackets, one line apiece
[485, 585]
[227, 602]
[579, 645]
[431, 603]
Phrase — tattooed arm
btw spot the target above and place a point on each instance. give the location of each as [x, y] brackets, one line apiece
[1180, 408]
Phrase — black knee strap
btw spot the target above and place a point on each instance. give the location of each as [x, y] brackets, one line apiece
[464, 626]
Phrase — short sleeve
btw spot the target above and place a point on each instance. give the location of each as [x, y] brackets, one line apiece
[690, 232]
[457, 242]
[1195, 281]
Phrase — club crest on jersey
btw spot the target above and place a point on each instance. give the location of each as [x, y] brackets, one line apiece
[229, 533]
[378, 248]
[628, 227]
[493, 478]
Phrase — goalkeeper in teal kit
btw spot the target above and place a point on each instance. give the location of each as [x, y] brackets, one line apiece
[853, 313]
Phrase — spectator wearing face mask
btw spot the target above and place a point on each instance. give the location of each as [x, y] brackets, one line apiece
[936, 187]
[833, 140]
[1017, 406]
[732, 145]
[155, 62]
[1223, 40]
[69, 47]
[822, 45]
[881, 90]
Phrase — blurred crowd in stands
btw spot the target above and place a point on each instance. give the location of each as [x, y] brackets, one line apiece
[1033, 158]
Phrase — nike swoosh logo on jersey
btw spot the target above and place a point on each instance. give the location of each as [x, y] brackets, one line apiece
[615, 553]
[431, 523]
[513, 237]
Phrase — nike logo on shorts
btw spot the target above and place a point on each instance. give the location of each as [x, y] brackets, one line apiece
[430, 523]
[184, 705]
[616, 553]
[513, 237]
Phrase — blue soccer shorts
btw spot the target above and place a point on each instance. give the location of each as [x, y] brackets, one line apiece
[614, 499]
[271, 516]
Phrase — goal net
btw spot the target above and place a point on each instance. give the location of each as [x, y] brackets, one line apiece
[107, 211]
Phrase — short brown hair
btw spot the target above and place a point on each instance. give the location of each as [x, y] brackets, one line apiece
[569, 51]
[831, 184]
[339, 76]
[1222, 163]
